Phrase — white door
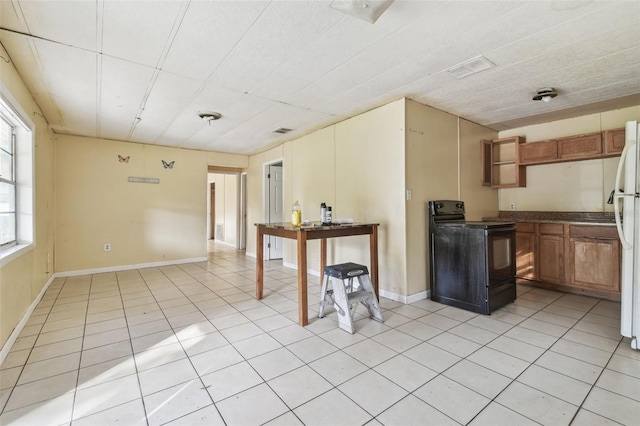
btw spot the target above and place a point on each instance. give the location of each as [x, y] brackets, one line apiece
[275, 202]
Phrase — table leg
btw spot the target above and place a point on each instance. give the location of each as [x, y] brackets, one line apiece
[303, 315]
[323, 258]
[259, 262]
[373, 247]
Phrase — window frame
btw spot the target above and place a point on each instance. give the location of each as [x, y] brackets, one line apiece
[24, 176]
[11, 181]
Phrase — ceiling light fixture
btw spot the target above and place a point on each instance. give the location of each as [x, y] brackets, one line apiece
[209, 116]
[367, 10]
[545, 94]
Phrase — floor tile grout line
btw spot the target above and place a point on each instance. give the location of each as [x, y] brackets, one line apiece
[371, 337]
[75, 393]
[24, 365]
[204, 386]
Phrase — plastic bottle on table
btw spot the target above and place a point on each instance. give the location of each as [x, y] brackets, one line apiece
[296, 215]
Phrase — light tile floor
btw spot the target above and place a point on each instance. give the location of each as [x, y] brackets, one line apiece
[190, 344]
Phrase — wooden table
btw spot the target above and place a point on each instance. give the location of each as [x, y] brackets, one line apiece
[313, 232]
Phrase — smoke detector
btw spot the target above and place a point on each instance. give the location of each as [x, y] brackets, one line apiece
[545, 94]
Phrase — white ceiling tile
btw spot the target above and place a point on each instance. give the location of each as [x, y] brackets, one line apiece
[208, 32]
[67, 22]
[139, 31]
[303, 65]
[170, 95]
[122, 92]
[281, 31]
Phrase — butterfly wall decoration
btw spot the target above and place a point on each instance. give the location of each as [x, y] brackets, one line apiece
[123, 159]
[168, 165]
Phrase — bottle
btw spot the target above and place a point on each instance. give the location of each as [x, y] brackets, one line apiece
[328, 216]
[296, 215]
[323, 213]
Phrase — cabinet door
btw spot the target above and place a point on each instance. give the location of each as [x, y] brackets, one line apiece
[594, 263]
[614, 142]
[579, 147]
[525, 255]
[551, 258]
[539, 152]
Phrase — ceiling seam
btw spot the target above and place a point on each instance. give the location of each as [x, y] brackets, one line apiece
[177, 23]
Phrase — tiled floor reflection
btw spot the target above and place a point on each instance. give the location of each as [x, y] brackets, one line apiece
[190, 344]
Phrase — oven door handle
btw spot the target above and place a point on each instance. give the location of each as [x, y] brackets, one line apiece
[507, 229]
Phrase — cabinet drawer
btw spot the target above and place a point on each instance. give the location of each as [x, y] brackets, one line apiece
[598, 232]
[524, 227]
[551, 228]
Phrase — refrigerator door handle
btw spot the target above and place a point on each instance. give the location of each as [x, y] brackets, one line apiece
[619, 196]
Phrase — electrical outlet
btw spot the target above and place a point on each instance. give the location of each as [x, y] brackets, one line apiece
[409, 195]
[107, 247]
[512, 206]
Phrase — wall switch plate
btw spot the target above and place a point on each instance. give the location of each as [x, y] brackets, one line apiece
[408, 195]
[512, 206]
[107, 247]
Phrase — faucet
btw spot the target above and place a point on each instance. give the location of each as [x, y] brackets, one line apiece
[610, 200]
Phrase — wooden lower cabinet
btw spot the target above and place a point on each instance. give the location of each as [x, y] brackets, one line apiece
[551, 258]
[594, 259]
[525, 250]
[582, 259]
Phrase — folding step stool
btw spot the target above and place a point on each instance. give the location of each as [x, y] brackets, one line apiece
[343, 296]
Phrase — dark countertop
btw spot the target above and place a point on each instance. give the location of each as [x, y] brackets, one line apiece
[583, 218]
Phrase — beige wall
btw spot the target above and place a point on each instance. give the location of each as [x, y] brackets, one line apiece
[144, 223]
[22, 279]
[356, 167]
[362, 167]
[443, 161]
[574, 186]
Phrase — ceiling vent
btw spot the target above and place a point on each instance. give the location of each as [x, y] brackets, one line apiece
[282, 130]
[470, 67]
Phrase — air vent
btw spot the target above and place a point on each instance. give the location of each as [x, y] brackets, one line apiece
[470, 67]
[282, 130]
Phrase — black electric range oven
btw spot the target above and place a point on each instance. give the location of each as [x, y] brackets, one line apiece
[472, 264]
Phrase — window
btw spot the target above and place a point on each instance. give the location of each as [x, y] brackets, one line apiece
[7, 184]
[16, 179]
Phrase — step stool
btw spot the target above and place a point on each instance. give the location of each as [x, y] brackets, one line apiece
[344, 297]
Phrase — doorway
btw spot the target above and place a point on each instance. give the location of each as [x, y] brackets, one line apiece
[212, 210]
[224, 205]
[274, 206]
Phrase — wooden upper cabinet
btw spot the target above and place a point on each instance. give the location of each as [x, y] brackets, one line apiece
[539, 152]
[501, 166]
[580, 147]
[614, 142]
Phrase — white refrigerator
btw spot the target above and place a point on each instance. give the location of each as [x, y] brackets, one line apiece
[627, 212]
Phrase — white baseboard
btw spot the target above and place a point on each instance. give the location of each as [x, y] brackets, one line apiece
[23, 321]
[128, 267]
[224, 243]
[404, 299]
